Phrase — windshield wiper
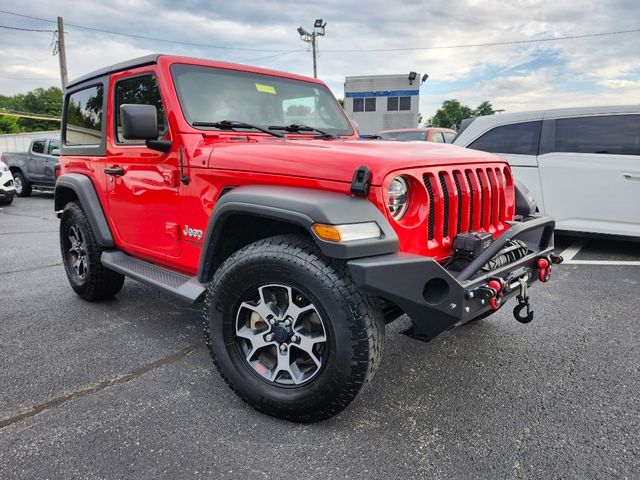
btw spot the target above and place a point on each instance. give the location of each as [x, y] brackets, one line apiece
[293, 128]
[233, 125]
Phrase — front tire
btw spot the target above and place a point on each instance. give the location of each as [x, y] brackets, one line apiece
[290, 332]
[81, 257]
[22, 186]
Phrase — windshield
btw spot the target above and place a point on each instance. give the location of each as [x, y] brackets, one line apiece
[403, 135]
[210, 94]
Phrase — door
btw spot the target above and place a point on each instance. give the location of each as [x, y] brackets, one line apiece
[49, 162]
[35, 161]
[591, 179]
[142, 183]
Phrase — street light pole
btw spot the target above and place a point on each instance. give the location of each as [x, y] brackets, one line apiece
[312, 38]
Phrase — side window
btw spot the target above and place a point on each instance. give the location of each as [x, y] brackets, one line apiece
[139, 90]
[358, 104]
[613, 134]
[38, 146]
[370, 104]
[405, 103]
[84, 117]
[53, 144]
[449, 137]
[437, 137]
[517, 138]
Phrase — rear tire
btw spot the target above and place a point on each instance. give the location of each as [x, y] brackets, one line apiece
[333, 340]
[22, 186]
[81, 257]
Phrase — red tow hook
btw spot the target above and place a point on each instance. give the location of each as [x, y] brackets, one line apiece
[545, 270]
[494, 301]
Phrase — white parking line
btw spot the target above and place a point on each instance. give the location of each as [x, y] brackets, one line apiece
[603, 262]
[573, 249]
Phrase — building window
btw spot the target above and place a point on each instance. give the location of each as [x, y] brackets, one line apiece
[392, 104]
[405, 103]
[358, 104]
[370, 104]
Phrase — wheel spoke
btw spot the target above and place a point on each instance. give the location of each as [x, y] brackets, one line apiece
[284, 365]
[265, 310]
[256, 339]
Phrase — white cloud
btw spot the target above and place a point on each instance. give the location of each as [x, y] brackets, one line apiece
[607, 68]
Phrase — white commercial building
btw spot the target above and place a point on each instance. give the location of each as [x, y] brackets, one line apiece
[383, 102]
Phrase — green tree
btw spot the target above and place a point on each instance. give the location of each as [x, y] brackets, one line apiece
[40, 101]
[485, 108]
[9, 124]
[451, 114]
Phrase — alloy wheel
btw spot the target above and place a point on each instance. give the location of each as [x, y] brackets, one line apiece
[281, 335]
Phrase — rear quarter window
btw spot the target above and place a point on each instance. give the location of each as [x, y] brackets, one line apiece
[608, 134]
[517, 138]
[84, 120]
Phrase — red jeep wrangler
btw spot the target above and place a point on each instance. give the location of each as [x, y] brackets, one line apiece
[249, 189]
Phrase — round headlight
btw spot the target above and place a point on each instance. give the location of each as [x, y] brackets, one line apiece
[398, 197]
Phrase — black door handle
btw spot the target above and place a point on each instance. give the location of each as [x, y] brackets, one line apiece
[114, 171]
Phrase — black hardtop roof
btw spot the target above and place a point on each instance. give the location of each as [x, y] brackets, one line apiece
[117, 67]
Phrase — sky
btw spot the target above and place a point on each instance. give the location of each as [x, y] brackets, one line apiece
[600, 70]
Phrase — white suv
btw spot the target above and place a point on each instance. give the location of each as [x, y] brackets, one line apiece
[7, 190]
[582, 165]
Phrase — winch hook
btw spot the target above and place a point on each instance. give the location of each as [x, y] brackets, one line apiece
[523, 303]
[517, 310]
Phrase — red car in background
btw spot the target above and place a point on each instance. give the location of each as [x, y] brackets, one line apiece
[437, 135]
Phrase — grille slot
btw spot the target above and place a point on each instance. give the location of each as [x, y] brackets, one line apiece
[445, 202]
[432, 208]
[467, 174]
[460, 193]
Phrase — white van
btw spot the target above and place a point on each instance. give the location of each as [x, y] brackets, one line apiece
[582, 165]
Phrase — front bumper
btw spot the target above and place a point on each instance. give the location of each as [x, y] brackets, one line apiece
[437, 299]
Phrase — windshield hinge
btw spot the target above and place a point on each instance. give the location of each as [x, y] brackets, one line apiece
[183, 177]
[360, 182]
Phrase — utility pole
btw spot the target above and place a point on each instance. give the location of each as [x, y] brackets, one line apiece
[62, 54]
[312, 38]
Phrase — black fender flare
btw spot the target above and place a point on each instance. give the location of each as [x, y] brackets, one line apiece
[302, 207]
[83, 188]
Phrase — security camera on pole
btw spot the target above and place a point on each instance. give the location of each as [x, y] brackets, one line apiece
[312, 38]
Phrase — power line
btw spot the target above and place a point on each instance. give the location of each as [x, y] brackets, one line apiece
[144, 37]
[489, 44]
[362, 50]
[26, 29]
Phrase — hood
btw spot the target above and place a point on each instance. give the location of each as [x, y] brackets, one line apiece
[336, 159]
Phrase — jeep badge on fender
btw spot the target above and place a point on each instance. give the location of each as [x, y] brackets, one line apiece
[314, 239]
[192, 232]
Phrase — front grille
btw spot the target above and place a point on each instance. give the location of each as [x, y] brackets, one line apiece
[457, 197]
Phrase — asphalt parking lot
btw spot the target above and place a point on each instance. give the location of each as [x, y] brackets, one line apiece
[125, 388]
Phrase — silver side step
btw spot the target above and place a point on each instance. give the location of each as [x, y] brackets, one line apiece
[182, 286]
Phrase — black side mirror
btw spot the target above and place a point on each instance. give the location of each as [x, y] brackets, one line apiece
[140, 122]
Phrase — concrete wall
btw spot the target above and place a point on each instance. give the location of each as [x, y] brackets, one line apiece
[381, 87]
